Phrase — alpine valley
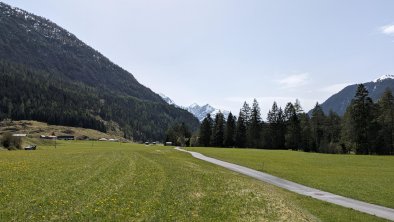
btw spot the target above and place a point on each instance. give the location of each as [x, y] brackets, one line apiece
[47, 74]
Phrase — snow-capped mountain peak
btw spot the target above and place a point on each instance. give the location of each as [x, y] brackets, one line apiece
[384, 77]
[194, 105]
[167, 99]
[200, 112]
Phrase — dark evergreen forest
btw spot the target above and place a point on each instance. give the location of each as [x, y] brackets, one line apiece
[33, 95]
[366, 127]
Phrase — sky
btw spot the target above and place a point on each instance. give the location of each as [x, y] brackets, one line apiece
[225, 52]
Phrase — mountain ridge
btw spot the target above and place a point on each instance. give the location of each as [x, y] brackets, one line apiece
[48, 74]
[200, 112]
[339, 102]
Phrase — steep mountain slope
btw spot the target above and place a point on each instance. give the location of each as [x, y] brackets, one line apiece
[340, 101]
[47, 74]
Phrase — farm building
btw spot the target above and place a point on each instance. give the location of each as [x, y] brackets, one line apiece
[47, 137]
[66, 137]
[19, 135]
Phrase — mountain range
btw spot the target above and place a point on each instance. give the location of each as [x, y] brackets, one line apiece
[200, 112]
[48, 74]
[341, 100]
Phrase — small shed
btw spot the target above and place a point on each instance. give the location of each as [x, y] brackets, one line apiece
[47, 137]
[19, 135]
[168, 143]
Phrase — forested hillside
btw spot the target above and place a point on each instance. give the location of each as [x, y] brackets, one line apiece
[47, 74]
[339, 102]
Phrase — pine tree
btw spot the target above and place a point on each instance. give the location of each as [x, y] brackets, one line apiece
[317, 127]
[306, 132]
[246, 110]
[229, 135]
[361, 110]
[206, 131]
[276, 134]
[254, 129]
[217, 137]
[293, 128]
[240, 133]
[386, 123]
[333, 129]
[298, 107]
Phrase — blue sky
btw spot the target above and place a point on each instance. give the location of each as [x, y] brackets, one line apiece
[224, 52]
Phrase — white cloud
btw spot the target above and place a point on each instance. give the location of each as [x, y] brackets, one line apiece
[293, 81]
[335, 88]
[387, 29]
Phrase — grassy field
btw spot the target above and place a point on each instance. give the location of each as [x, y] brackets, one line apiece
[367, 178]
[128, 182]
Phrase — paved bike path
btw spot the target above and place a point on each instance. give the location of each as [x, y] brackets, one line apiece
[376, 210]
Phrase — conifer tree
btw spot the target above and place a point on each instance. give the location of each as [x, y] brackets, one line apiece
[254, 129]
[361, 117]
[206, 131]
[293, 128]
[246, 110]
[217, 138]
[386, 123]
[229, 135]
[298, 107]
[276, 134]
[317, 127]
[333, 129]
[240, 133]
[306, 132]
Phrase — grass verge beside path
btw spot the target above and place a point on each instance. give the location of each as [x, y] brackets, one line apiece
[128, 182]
[366, 178]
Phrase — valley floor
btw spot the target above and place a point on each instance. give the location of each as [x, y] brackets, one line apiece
[128, 182]
[362, 177]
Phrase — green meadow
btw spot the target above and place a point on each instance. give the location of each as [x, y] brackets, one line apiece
[362, 177]
[102, 181]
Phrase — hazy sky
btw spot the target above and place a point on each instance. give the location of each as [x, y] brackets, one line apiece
[223, 52]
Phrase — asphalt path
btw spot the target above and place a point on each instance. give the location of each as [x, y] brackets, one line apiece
[376, 210]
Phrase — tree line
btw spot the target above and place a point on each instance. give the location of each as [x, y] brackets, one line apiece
[366, 127]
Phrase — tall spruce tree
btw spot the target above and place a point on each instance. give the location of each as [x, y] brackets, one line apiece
[293, 128]
[276, 134]
[298, 107]
[361, 117]
[217, 138]
[317, 127]
[333, 129]
[255, 126]
[306, 132]
[206, 131]
[240, 133]
[229, 134]
[386, 123]
[246, 110]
